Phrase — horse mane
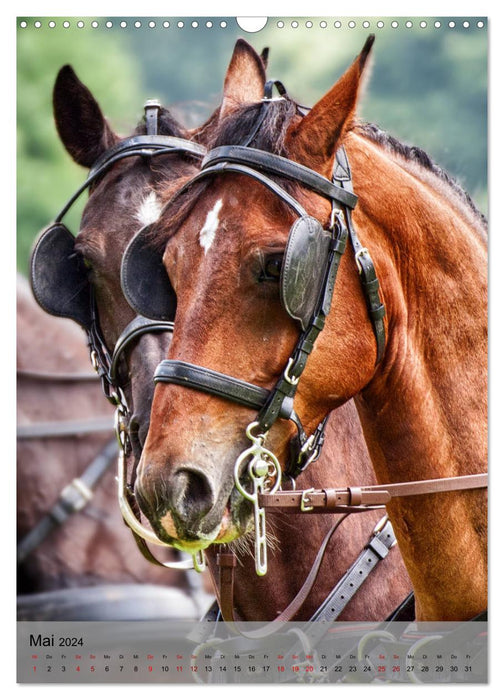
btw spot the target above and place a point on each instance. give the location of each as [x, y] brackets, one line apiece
[270, 136]
[418, 157]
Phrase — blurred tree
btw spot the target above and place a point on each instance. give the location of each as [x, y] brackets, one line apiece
[46, 175]
[428, 86]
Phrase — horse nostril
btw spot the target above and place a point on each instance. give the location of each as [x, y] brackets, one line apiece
[191, 495]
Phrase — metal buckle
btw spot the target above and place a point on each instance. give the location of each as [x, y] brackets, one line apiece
[380, 525]
[293, 381]
[359, 254]
[304, 501]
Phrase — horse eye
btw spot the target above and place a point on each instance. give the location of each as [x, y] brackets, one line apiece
[272, 268]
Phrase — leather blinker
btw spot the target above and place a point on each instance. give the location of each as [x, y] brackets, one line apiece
[59, 278]
[302, 277]
[144, 280]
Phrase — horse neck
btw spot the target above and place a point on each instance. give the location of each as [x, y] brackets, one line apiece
[424, 412]
[431, 263]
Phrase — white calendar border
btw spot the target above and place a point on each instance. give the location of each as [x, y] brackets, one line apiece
[314, 8]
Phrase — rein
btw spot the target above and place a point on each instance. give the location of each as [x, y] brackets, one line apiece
[365, 497]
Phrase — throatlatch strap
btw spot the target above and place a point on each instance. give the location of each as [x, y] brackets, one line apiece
[365, 266]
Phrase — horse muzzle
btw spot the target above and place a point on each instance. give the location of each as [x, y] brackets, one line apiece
[188, 509]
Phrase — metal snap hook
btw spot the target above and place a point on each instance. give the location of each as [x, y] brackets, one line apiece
[265, 474]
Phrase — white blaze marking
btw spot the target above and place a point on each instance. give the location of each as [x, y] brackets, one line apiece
[149, 210]
[207, 233]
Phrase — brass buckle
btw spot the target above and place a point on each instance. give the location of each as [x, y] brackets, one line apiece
[304, 501]
[358, 254]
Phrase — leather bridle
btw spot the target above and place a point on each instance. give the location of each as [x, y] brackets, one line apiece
[279, 403]
[106, 364]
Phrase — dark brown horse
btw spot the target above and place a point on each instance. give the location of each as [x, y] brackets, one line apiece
[63, 425]
[345, 455]
[121, 202]
[419, 381]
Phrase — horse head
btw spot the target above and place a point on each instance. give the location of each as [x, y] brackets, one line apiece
[80, 277]
[224, 248]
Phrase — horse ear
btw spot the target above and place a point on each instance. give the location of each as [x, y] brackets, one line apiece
[79, 120]
[245, 78]
[265, 56]
[313, 140]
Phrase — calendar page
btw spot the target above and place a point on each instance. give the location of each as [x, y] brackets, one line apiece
[251, 360]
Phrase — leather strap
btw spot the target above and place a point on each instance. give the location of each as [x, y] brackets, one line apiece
[277, 165]
[151, 142]
[212, 382]
[72, 499]
[227, 565]
[143, 145]
[225, 167]
[365, 265]
[137, 327]
[377, 548]
[338, 500]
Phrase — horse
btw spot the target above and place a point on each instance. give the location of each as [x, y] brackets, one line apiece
[289, 566]
[70, 279]
[272, 315]
[88, 561]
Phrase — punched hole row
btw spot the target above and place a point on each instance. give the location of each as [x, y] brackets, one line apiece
[281, 24]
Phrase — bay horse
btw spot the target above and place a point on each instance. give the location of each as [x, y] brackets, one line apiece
[63, 425]
[405, 336]
[345, 454]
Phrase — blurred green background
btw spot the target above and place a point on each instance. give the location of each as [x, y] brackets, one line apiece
[428, 87]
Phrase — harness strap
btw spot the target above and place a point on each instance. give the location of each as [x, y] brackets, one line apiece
[378, 547]
[72, 499]
[376, 550]
[137, 327]
[225, 167]
[277, 165]
[227, 565]
[146, 145]
[365, 265]
[338, 500]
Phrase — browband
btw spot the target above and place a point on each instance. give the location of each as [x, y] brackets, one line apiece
[143, 145]
[277, 165]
